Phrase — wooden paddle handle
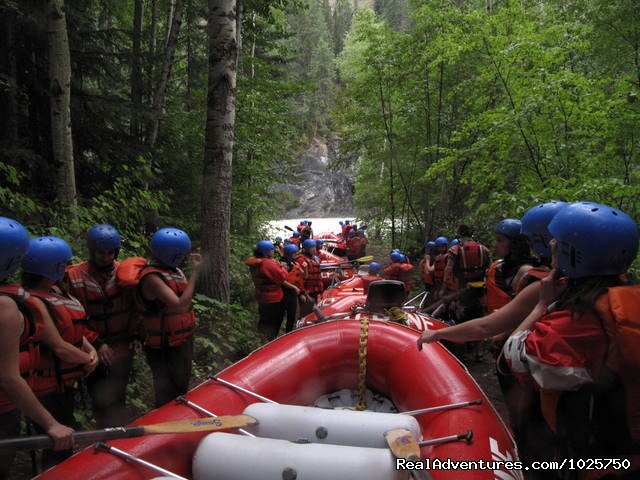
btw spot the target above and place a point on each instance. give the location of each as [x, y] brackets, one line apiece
[37, 442]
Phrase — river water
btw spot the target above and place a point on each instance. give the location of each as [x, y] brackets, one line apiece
[319, 225]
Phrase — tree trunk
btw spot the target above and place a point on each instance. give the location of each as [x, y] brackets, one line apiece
[9, 100]
[160, 93]
[59, 94]
[136, 71]
[218, 145]
[151, 59]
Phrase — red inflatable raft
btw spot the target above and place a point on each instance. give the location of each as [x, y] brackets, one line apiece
[306, 364]
[336, 268]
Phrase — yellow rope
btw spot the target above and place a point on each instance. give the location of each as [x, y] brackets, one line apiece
[396, 314]
[362, 363]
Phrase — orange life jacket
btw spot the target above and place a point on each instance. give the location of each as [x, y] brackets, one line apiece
[108, 307]
[427, 276]
[496, 297]
[618, 309]
[439, 266]
[295, 274]
[29, 339]
[162, 329]
[313, 280]
[70, 319]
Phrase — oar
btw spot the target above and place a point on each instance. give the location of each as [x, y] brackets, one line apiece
[103, 447]
[439, 408]
[208, 413]
[180, 426]
[287, 227]
[366, 258]
[404, 445]
[243, 390]
[466, 437]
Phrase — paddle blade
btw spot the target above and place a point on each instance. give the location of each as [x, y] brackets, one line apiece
[224, 422]
[403, 444]
[366, 258]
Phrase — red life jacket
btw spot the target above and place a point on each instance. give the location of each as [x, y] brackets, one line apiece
[108, 307]
[496, 297]
[471, 260]
[402, 272]
[268, 277]
[354, 246]
[70, 319]
[295, 241]
[313, 280]
[33, 323]
[161, 328]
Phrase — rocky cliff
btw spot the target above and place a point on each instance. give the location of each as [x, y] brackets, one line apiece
[322, 186]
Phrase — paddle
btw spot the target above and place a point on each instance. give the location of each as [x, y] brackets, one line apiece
[440, 408]
[404, 445]
[287, 227]
[461, 437]
[366, 258]
[179, 426]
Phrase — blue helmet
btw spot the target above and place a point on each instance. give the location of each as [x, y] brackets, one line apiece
[341, 222]
[509, 227]
[14, 244]
[594, 239]
[263, 247]
[296, 234]
[454, 242]
[397, 257]
[374, 267]
[289, 250]
[441, 241]
[319, 242]
[103, 237]
[535, 225]
[430, 245]
[170, 246]
[48, 257]
[347, 222]
[308, 245]
[278, 239]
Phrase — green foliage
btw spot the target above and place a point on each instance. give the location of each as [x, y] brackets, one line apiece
[225, 334]
[481, 114]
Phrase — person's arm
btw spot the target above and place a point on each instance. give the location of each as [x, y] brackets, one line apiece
[504, 319]
[15, 387]
[154, 288]
[550, 289]
[291, 286]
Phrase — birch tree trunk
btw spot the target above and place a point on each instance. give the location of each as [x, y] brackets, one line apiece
[60, 94]
[160, 92]
[218, 145]
[136, 70]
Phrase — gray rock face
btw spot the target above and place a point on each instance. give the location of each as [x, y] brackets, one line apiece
[322, 187]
